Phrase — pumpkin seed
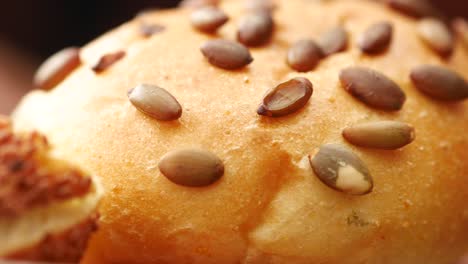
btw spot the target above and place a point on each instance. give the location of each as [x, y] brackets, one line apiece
[436, 34]
[56, 68]
[372, 88]
[226, 54]
[376, 38]
[260, 5]
[415, 8]
[108, 60]
[208, 19]
[439, 83]
[286, 98]
[304, 55]
[198, 3]
[342, 170]
[155, 102]
[191, 167]
[147, 30]
[460, 26]
[255, 28]
[333, 41]
[380, 134]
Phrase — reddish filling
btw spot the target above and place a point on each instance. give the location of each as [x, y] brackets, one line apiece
[27, 179]
[67, 246]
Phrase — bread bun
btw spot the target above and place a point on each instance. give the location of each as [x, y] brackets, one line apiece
[262, 202]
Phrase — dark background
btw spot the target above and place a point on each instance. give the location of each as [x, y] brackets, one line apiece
[31, 30]
[45, 26]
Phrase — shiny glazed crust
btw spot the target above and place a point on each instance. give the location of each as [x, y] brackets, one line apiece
[268, 207]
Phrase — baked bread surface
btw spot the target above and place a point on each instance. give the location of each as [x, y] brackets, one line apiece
[269, 207]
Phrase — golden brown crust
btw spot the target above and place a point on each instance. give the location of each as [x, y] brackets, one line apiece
[67, 246]
[268, 207]
[28, 178]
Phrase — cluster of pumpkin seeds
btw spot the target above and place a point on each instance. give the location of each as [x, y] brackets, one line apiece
[334, 164]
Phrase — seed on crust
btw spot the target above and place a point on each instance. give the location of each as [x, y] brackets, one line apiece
[56, 68]
[156, 102]
[372, 88]
[198, 3]
[376, 38]
[460, 27]
[108, 60]
[380, 134]
[436, 35]
[208, 19]
[333, 41]
[415, 8]
[191, 167]
[260, 5]
[304, 55]
[341, 170]
[226, 54]
[439, 83]
[255, 28]
[286, 98]
[148, 30]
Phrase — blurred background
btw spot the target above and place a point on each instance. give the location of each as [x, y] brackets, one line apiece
[32, 30]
